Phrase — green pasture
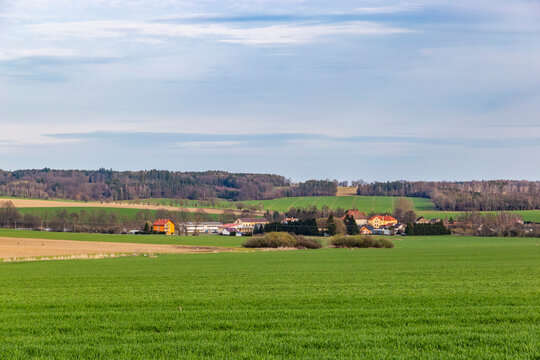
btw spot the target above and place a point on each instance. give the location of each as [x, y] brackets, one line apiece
[201, 240]
[527, 215]
[364, 203]
[437, 297]
[380, 204]
[123, 214]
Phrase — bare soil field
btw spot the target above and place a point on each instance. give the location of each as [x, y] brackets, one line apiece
[28, 203]
[27, 249]
[346, 191]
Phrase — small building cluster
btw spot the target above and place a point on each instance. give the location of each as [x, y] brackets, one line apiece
[242, 226]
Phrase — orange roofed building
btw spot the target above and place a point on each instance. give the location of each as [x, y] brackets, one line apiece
[163, 225]
[382, 220]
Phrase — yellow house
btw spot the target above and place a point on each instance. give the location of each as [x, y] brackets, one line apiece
[382, 220]
[164, 225]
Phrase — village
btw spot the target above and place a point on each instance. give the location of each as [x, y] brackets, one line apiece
[244, 226]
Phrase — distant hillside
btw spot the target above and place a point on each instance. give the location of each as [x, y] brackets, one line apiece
[87, 185]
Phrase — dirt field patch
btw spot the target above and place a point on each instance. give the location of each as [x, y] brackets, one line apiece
[26, 249]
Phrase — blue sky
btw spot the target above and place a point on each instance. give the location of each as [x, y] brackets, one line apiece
[374, 90]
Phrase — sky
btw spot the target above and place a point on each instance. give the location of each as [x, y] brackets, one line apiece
[348, 90]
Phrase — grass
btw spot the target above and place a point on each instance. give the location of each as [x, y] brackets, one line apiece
[437, 297]
[364, 203]
[202, 240]
[528, 215]
[382, 204]
[123, 214]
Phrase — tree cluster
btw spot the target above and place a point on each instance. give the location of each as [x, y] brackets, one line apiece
[496, 195]
[301, 227]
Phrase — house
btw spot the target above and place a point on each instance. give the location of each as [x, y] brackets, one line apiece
[422, 220]
[163, 225]
[227, 229]
[247, 225]
[366, 230]
[289, 220]
[434, 221]
[378, 221]
[399, 228]
[358, 216]
[382, 232]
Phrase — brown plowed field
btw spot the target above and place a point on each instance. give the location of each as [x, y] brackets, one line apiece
[27, 203]
[12, 248]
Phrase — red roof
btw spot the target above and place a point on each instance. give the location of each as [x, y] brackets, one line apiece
[383, 218]
[161, 222]
[356, 214]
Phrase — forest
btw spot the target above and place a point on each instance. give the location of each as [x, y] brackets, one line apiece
[102, 184]
[494, 195]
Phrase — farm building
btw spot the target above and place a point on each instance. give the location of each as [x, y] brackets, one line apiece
[358, 216]
[203, 227]
[247, 225]
[163, 225]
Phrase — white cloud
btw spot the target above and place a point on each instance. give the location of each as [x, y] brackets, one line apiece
[262, 35]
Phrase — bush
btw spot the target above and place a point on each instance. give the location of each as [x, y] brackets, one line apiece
[360, 242]
[303, 243]
[281, 239]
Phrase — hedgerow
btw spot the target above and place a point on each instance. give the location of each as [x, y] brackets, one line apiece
[341, 241]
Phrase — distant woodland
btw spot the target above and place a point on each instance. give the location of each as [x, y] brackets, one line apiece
[496, 195]
[87, 185]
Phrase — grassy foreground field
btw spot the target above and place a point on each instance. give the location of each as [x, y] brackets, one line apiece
[442, 297]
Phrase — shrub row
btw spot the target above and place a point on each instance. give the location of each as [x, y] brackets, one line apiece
[281, 239]
[342, 241]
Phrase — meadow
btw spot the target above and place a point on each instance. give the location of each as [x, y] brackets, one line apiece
[527, 215]
[124, 214]
[380, 204]
[436, 297]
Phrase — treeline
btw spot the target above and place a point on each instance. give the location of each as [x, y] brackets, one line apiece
[109, 185]
[496, 195]
[427, 229]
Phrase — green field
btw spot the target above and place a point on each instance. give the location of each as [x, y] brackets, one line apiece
[364, 203]
[202, 240]
[123, 214]
[381, 204]
[437, 297]
[527, 215]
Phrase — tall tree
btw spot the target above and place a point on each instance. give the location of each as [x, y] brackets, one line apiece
[331, 226]
[350, 224]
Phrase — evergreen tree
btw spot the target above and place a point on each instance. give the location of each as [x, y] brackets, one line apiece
[331, 225]
[350, 224]
[146, 227]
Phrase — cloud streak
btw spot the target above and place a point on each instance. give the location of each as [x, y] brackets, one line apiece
[255, 35]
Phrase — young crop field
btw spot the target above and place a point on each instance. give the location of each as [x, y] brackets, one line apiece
[381, 204]
[436, 297]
